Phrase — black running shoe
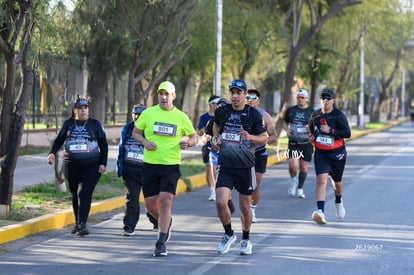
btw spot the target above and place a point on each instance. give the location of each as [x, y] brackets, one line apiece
[74, 230]
[128, 232]
[83, 230]
[160, 250]
[231, 206]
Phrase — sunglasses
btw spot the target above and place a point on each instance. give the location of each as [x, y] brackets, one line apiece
[138, 110]
[237, 84]
[300, 97]
[252, 97]
[327, 97]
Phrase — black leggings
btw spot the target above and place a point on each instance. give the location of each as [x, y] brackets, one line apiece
[133, 184]
[82, 177]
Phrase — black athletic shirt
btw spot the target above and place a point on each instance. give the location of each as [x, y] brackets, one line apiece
[297, 119]
[234, 152]
[84, 140]
[339, 125]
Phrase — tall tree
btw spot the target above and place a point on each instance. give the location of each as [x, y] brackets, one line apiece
[101, 41]
[17, 26]
[158, 35]
[387, 38]
[300, 38]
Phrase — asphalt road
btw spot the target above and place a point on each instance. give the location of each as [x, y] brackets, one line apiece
[376, 237]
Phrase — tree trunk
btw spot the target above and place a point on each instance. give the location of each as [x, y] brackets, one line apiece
[11, 137]
[196, 113]
[97, 89]
[7, 125]
[287, 90]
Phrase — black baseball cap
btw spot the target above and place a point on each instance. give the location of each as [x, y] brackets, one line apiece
[328, 93]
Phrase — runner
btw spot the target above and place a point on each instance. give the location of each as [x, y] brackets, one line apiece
[328, 128]
[238, 128]
[299, 149]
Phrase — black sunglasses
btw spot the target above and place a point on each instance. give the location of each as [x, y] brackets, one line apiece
[328, 97]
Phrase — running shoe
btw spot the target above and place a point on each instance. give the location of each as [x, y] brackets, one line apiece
[212, 197]
[340, 210]
[231, 206]
[83, 230]
[246, 247]
[319, 217]
[160, 250]
[300, 193]
[128, 232]
[293, 187]
[74, 230]
[167, 238]
[225, 243]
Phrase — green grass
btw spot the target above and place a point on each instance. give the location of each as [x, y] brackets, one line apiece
[29, 125]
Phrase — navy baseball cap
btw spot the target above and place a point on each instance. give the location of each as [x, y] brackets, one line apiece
[81, 102]
[239, 84]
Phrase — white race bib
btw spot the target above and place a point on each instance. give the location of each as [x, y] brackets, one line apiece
[135, 156]
[164, 129]
[301, 130]
[325, 140]
[230, 137]
[75, 148]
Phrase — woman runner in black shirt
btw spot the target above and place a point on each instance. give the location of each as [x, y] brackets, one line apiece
[84, 159]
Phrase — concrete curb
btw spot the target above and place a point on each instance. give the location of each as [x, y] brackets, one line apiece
[64, 218]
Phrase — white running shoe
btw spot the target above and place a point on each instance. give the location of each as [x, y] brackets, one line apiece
[293, 187]
[212, 197]
[300, 193]
[246, 247]
[319, 217]
[225, 243]
[340, 210]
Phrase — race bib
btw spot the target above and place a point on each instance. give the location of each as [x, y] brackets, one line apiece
[301, 130]
[325, 140]
[134, 156]
[78, 148]
[165, 129]
[230, 137]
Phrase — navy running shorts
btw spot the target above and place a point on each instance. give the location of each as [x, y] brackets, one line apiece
[332, 163]
[260, 163]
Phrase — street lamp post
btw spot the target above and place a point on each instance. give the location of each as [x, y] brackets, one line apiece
[361, 92]
[403, 94]
[219, 27]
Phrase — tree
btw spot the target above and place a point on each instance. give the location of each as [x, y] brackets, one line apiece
[18, 24]
[386, 39]
[158, 36]
[299, 40]
[101, 43]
